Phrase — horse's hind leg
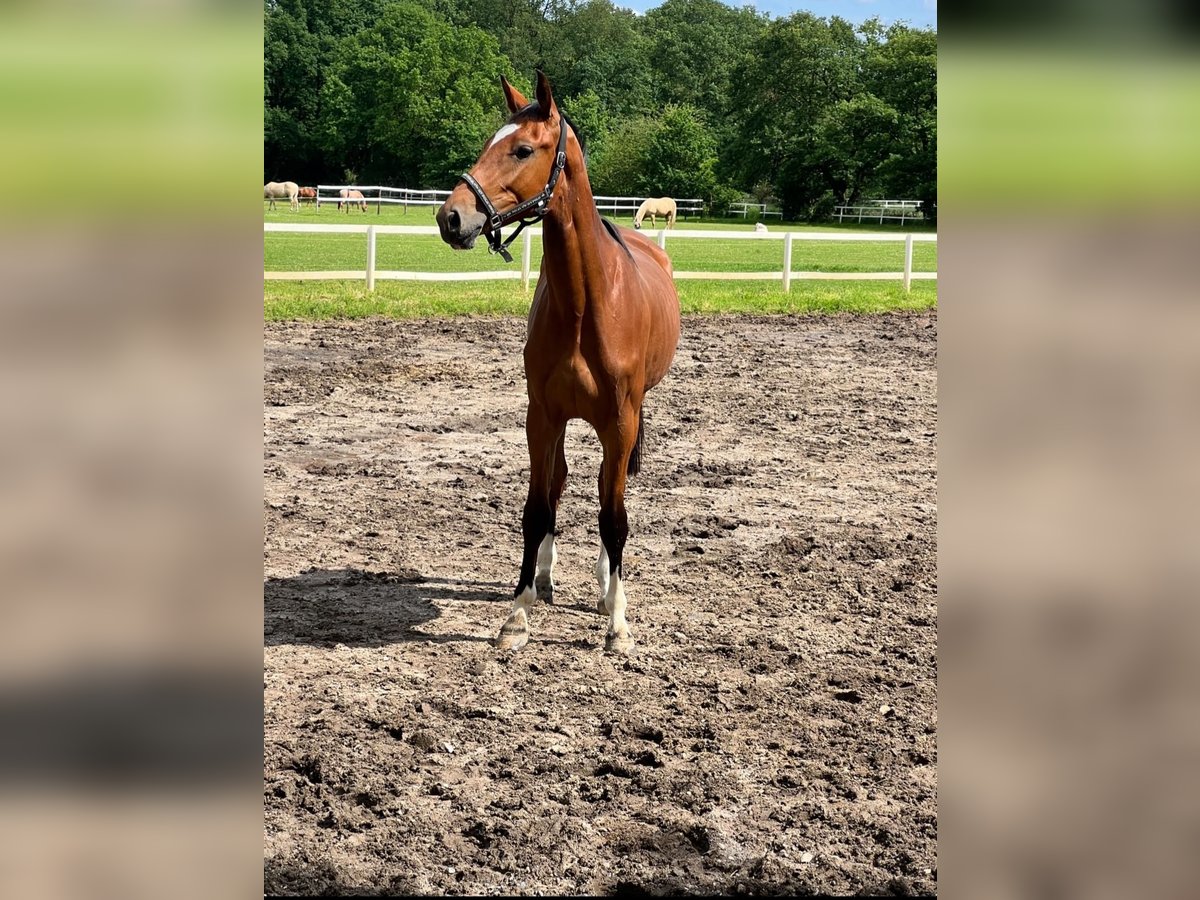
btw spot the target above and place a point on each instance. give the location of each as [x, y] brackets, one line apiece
[618, 442]
[547, 554]
[537, 523]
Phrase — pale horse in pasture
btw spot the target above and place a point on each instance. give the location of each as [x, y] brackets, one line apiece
[656, 206]
[277, 190]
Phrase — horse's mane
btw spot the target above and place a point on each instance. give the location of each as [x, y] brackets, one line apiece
[616, 235]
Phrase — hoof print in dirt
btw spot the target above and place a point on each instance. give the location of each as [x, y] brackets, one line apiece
[424, 740]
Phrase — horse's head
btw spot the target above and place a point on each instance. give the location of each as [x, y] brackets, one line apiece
[517, 169]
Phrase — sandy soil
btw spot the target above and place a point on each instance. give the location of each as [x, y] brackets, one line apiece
[775, 728]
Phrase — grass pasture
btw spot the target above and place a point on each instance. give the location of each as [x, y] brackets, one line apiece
[300, 252]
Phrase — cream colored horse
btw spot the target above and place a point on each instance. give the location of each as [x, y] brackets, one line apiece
[277, 190]
[656, 206]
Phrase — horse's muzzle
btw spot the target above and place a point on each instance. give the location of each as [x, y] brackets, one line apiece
[460, 224]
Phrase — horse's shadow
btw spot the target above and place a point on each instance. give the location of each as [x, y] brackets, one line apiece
[358, 608]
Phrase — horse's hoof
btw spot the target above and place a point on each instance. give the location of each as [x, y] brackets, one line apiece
[618, 643]
[602, 607]
[545, 590]
[512, 637]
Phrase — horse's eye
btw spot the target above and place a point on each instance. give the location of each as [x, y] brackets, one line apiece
[523, 152]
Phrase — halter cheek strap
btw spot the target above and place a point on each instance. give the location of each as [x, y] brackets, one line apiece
[529, 211]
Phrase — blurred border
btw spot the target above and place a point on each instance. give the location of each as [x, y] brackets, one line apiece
[130, 467]
[1068, 381]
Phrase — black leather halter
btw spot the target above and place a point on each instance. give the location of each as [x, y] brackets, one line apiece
[528, 211]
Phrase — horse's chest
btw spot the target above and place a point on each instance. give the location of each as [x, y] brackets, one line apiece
[567, 385]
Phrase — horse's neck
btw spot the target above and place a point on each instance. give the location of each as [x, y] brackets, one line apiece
[577, 255]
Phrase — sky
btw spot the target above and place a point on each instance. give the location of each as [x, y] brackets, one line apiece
[918, 13]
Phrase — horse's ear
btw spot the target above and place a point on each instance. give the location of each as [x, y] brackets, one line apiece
[545, 98]
[515, 99]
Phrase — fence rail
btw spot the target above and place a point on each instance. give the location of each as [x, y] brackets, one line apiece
[378, 195]
[742, 209]
[371, 274]
[406, 197]
[909, 210]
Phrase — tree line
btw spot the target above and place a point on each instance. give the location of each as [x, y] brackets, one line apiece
[692, 99]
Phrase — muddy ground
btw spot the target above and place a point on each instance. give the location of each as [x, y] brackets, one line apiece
[774, 730]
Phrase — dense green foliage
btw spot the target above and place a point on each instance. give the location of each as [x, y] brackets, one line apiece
[694, 99]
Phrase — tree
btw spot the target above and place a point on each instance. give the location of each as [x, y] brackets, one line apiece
[826, 113]
[588, 115]
[616, 165]
[854, 139]
[902, 70]
[600, 47]
[698, 48]
[802, 66]
[680, 157]
[412, 100]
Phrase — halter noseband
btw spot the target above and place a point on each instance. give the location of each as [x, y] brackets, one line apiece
[538, 204]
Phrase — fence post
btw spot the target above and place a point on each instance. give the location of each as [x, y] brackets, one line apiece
[907, 261]
[370, 257]
[526, 252]
[662, 239]
[787, 263]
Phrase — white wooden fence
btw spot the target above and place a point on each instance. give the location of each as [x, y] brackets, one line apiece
[371, 274]
[381, 194]
[909, 210]
[378, 195]
[742, 209]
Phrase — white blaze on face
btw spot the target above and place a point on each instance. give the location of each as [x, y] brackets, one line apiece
[502, 134]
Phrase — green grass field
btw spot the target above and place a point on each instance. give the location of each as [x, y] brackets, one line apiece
[337, 299]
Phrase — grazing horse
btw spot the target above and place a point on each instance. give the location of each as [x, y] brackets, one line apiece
[349, 196]
[602, 331]
[307, 193]
[277, 190]
[655, 206]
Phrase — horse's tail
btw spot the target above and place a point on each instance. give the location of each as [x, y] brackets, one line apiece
[635, 458]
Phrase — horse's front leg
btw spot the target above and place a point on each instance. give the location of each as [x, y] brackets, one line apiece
[537, 524]
[618, 443]
[547, 553]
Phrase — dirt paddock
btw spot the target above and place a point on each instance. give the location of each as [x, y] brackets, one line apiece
[774, 730]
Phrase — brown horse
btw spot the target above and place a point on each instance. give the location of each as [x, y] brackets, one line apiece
[351, 196]
[602, 331]
[307, 193]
